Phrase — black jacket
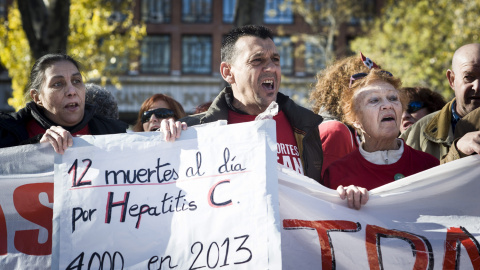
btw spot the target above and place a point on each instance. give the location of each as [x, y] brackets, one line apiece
[304, 123]
[13, 129]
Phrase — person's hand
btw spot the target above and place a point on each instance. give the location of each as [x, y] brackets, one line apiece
[59, 138]
[356, 196]
[469, 143]
[172, 129]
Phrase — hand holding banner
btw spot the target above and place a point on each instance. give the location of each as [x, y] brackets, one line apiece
[133, 201]
[213, 202]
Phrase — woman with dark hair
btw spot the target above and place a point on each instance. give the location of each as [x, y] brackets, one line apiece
[422, 101]
[58, 110]
[156, 108]
[374, 105]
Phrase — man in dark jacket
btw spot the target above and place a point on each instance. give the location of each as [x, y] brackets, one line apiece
[251, 65]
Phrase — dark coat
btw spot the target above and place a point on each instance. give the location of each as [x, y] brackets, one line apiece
[469, 123]
[13, 129]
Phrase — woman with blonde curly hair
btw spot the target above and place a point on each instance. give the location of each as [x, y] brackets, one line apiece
[373, 104]
[338, 138]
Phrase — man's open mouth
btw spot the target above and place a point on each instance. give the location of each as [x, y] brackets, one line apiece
[268, 84]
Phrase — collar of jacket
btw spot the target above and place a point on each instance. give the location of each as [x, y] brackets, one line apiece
[439, 127]
[46, 123]
[281, 99]
[220, 106]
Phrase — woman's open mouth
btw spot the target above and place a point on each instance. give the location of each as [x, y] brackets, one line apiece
[72, 106]
[388, 118]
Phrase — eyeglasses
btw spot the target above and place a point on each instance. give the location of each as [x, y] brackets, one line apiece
[160, 113]
[363, 75]
[414, 106]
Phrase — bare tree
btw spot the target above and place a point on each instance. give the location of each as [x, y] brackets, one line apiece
[46, 25]
[248, 12]
[326, 18]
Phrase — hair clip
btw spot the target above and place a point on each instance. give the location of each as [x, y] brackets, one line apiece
[367, 62]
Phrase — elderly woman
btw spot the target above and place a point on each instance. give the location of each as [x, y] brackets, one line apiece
[58, 110]
[374, 105]
[338, 138]
[422, 101]
[156, 108]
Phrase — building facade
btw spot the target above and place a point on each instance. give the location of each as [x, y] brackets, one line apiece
[180, 56]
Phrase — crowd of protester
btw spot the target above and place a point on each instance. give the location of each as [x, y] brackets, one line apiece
[363, 131]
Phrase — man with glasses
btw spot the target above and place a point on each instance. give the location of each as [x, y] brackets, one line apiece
[434, 133]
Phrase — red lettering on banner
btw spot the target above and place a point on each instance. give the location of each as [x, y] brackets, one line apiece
[421, 247]
[323, 227]
[3, 233]
[27, 204]
[111, 204]
[455, 237]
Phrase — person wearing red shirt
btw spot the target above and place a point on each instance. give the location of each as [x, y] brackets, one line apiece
[374, 105]
[251, 66]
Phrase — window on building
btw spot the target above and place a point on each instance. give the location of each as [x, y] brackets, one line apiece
[228, 11]
[197, 54]
[285, 49]
[278, 12]
[314, 58]
[156, 11]
[197, 11]
[155, 54]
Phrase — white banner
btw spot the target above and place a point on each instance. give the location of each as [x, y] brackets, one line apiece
[186, 214]
[430, 220]
[26, 203]
[135, 202]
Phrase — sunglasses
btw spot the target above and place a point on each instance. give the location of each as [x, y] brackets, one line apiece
[414, 106]
[361, 75]
[160, 113]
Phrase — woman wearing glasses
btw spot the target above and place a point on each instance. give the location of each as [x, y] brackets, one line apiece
[374, 105]
[156, 108]
[423, 101]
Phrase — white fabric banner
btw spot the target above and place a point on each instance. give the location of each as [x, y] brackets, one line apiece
[135, 202]
[430, 220]
[26, 203]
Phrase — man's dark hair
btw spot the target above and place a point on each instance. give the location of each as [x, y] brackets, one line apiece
[228, 43]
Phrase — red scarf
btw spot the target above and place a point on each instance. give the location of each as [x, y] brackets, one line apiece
[34, 129]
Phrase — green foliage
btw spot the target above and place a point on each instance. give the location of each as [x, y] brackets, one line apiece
[415, 40]
[103, 37]
[15, 54]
